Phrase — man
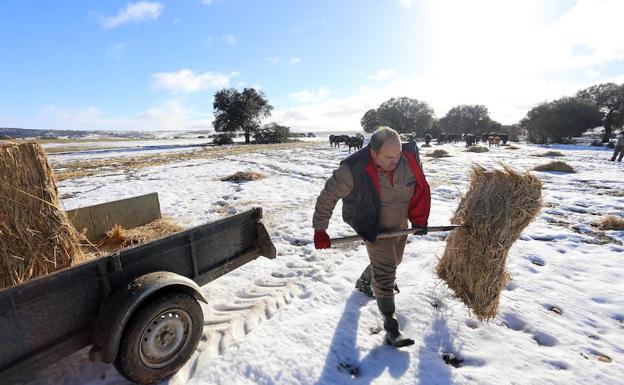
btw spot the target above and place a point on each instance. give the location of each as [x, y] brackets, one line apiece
[382, 187]
[619, 147]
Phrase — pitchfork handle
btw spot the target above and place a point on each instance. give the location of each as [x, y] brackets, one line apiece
[392, 234]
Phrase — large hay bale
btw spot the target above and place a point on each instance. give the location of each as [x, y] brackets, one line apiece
[242, 176]
[555, 166]
[477, 149]
[36, 238]
[438, 154]
[550, 153]
[499, 204]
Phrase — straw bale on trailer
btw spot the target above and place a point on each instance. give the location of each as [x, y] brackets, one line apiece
[499, 204]
[36, 238]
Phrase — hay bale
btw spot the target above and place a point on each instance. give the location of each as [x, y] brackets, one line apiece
[438, 154]
[242, 176]
[550, 153]
[497, 207]
[611, 222]
[555, 166]
[36, 238]
[477, 149]
[512, 147]
[118, 237]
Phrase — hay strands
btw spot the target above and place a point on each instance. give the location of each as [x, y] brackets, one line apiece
[392, 234]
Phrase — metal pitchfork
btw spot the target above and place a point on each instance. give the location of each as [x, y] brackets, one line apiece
[392, 234]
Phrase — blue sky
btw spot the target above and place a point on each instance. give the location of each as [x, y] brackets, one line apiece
[155, 65]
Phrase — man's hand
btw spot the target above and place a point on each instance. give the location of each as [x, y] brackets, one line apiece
[419, 230]
[321, 239]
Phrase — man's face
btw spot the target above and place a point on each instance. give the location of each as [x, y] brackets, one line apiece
[388, 156]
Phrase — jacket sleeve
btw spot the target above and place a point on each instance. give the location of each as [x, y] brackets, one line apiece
[338, 186]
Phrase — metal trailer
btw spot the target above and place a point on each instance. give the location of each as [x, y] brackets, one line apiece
[138, 308]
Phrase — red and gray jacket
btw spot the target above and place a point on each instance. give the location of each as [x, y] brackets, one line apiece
[361, 208]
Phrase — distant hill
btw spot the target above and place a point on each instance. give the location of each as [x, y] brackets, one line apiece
[22, 133]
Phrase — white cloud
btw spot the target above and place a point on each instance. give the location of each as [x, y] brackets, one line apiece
[383, 74]
[310, 96]
[407, 3]
[295, 60]
[187, 81]
[168, 115]
[273, 60]
[230, 39]
[134, 12]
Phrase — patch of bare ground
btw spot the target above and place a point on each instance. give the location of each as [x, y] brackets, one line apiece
[84, 168]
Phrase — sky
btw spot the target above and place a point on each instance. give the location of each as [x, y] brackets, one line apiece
[155, 65]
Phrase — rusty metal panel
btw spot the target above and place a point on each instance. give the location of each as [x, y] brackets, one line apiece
[129, 213]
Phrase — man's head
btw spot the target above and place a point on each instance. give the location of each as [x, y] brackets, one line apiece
[385, 148]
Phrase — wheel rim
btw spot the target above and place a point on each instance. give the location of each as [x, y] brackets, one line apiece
[165, 337]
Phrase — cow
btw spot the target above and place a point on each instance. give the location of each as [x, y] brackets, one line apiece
[493, 141]
[355, 142]
[337, 139]
[470, 139]
[452, 138]
[441, 138]
[428, 139]
[504, 138]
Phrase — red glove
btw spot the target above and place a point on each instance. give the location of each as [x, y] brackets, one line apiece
[321, 239]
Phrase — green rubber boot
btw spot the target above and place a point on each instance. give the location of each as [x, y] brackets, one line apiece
[363, 283]
[391, 324]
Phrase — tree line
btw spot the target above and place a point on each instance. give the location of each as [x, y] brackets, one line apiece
[548, 122]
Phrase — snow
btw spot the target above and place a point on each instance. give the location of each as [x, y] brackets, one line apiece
[298, 320]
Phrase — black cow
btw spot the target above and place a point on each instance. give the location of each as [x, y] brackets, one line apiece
[470, 139]
[504, 138]
[452, 138]
[337, 139]
[355, 142]
[428, 139]
[441, 138]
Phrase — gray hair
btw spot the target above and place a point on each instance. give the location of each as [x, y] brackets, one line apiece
[381, 136]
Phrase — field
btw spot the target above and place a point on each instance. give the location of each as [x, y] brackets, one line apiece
[297, 319]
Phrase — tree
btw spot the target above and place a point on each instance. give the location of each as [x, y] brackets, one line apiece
[467, 119]
[406, 115]
[609, 97]
[272, 133]
[562, 118]
[370, 121]
[240, 111]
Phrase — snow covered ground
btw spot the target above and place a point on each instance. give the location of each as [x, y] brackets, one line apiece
[297, 319]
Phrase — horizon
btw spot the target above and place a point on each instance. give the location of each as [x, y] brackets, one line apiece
[155, 65]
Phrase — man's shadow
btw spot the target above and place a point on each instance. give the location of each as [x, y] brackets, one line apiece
[432, 369]
[342, 364]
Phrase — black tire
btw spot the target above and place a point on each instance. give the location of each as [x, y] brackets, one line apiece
[160, 337]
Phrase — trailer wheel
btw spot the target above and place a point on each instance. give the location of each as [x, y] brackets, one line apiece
[160, 337]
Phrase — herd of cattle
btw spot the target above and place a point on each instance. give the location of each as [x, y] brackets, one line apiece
[351, 141]
[492, 139]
